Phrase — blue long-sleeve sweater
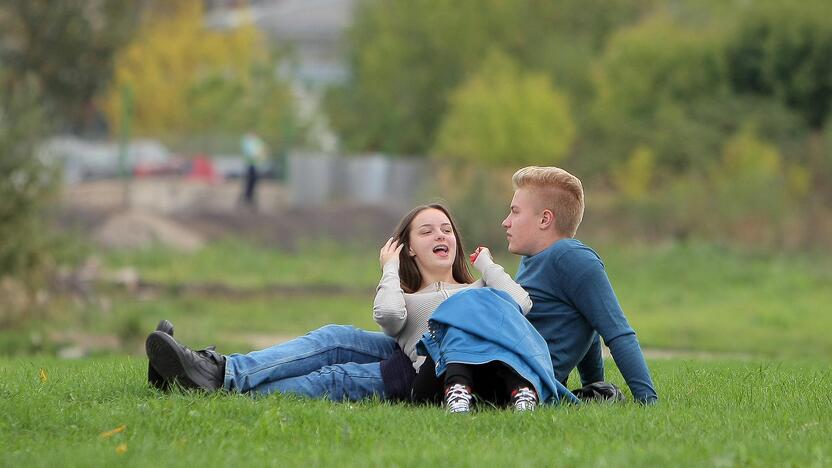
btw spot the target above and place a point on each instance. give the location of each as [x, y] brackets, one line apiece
[573, 303]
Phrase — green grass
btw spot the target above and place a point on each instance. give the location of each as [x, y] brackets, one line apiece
[232, 324]
[772, 409]
[683, 297]
[712, 413]
[243, 265]
[707, 298]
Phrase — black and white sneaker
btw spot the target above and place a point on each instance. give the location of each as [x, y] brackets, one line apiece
[523, 399]
[458, 398]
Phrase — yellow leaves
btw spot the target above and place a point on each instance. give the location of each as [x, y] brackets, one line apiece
[798, 180]
[110, 433]
[43, 375]
[635, 177]
[170, 55]
[505, 116]
[746, 155]
[121, 448]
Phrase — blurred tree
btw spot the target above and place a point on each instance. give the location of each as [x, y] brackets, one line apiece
[748, 169]
[564, 38]
[634, 179]
[658, 77]
[25, 183]
[754, 189]
[748, 194]
[190, 80]
[784, 50]
[499, 119]
[68, 47]
[219, 104]
[407, 57]
[504, 117]
[667, 87]
[654, 83]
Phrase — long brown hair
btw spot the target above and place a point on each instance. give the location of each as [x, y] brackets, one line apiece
[409, 275]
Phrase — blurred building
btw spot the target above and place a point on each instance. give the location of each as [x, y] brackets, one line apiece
[313, 32]
[375, 179]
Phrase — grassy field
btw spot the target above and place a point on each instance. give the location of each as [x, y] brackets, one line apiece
[712, 413]
[707, 298]
[243, 265]
[770, 408]
[677, 297]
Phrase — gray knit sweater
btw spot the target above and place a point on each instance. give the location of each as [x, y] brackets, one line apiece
[405, 316]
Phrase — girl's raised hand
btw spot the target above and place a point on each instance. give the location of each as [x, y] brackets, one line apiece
[475, 254]
[389, 251]
[478, 252]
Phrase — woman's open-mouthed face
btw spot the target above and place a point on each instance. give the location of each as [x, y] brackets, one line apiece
[432, 241]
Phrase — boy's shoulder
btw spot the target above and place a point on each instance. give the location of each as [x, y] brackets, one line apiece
[569, 252]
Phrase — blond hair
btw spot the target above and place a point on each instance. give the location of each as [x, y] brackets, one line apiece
[559, 191]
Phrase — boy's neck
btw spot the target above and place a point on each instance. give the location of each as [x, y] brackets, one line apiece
[546, 243]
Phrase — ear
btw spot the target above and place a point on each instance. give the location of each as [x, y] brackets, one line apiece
[547, 219]
[411, 252]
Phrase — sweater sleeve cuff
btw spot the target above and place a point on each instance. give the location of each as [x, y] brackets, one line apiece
[483, 261]
[391, 267]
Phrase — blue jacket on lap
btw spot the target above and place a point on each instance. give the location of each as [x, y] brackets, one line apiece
[481, 325]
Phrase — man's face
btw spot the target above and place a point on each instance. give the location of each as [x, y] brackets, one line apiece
[523, 223]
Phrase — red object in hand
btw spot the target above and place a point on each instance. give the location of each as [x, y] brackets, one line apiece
[476, 253]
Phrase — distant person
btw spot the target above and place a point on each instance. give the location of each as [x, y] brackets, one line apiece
[574, 303]
[421, 268]
[255, 154]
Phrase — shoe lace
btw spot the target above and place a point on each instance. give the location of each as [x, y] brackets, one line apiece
[524, 399]
[458, 398]
[210, 353]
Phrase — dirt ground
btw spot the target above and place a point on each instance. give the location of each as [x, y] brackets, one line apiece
[212, 211]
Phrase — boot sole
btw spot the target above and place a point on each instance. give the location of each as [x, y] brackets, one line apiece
[164, 355]
[153, 377]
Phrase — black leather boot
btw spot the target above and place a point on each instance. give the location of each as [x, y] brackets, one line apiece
[203, 369]
[153, 377]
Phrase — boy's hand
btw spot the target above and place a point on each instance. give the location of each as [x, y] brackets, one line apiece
[389, 251]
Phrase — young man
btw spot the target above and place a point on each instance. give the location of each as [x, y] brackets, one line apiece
[573, 300]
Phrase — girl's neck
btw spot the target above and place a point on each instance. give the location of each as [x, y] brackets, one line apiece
[445, 276]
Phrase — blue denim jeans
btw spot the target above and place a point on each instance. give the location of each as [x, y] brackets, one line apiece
[338, 362]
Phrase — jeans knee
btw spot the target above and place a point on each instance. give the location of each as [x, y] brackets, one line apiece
[334, 334]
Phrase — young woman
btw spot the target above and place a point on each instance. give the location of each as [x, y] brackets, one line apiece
[421, 267]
